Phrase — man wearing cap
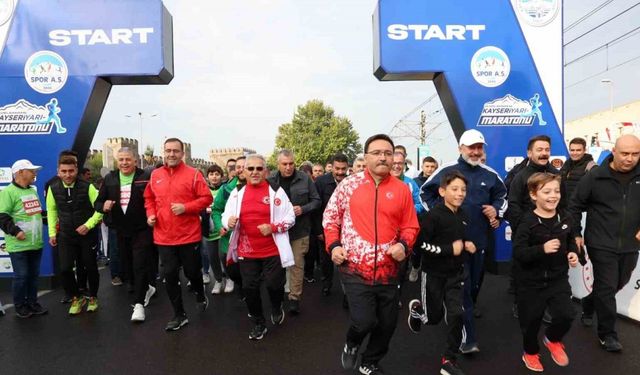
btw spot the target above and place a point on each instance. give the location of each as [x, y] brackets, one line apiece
[21, 221]
[485, 204]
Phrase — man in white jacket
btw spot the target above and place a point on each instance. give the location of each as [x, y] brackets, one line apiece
[260, 215]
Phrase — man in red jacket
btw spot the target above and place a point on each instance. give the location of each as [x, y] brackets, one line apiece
[174, 197]
[368, 250]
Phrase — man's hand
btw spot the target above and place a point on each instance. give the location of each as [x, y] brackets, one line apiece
[397, 252]
[580, 242]
[233, 220]
[470, 247]
[552, 246]
[494, 223]
[458, 245]
[53, 241]
[108, 205]
[297, 210]
[223, 231]
[638, 236]
[21, 236]
[321, 237]
[177, 208]
[573, 259]
[265, 229]
[82, 230]
[338, 255]
[151, 220]
[489, 211]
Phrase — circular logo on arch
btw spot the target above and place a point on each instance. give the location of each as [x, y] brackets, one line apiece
[538, 12]
[46, 72]
[490, 66]
[6, 9]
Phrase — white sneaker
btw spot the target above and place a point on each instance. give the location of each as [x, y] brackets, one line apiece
[138, 313]
[228, 286]
[147, 297]
[413, 275]
[206, 279]
[217, 287]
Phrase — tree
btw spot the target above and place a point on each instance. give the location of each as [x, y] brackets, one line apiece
[315, 133]
[94, 163]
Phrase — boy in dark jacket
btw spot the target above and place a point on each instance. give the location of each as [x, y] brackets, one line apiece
[543, 244]
[441, 238]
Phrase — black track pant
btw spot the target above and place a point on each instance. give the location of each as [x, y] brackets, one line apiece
[81, 250]
[532, 302]
[373, 310]
[611, 272]
[254, 271]
[442, 298]
[140, 246]
[188, 257]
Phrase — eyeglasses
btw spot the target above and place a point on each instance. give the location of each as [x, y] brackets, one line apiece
[377, 153]
[251, 169]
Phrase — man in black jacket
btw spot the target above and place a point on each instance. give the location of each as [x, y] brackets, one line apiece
[610, 194]
[325, 185]
[538, 153]
[572, 171]
[304, 197]
[121, 200]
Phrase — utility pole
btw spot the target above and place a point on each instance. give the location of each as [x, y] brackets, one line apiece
[423, 136]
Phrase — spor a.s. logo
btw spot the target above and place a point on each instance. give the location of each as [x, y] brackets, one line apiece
[46, 72]
[490, 66]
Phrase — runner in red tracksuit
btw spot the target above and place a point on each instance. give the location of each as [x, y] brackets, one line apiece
[370, 225]
[174, 197]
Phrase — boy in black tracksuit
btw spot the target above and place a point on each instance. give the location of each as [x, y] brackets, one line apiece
[441, 238]
[543, 248]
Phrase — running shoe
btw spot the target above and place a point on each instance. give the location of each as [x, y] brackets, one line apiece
[558, 354]
[532, 362]
[77, 303]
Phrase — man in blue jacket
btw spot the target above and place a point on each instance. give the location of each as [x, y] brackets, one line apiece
[484, 205]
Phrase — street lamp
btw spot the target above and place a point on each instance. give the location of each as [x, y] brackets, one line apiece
[141, 150]
[609, 82]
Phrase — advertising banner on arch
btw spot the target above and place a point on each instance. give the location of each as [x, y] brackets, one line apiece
[58, 61]
[496, 65]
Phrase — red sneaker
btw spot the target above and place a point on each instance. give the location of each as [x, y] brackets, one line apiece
[532, 362]
[558, 354]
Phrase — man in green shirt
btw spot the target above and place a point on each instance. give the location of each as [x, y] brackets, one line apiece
[21, 221]
[72, 227]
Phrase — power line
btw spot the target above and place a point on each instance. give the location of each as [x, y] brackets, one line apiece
[606, 45]
[584, 18]
[602, 24]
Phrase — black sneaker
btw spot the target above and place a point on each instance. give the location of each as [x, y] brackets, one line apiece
[310, 279]
[587, 320]
[277, 317]
[66, 299]
[349, 357]
[37, 309]
[294, 307]
[23, 311]
[202, 305]
[469, 348]
[257, 332]
[416, 312]
[611, 344]
[546, 318]
[450, 367]
[177, 322]
[370, 369]
[326, 291]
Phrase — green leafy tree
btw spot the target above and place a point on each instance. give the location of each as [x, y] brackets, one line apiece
[94, 163]
[316, 133]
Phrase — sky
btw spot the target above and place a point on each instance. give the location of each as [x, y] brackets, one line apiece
[243, 67]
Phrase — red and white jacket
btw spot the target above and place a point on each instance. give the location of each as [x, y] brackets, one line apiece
[366, 220]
